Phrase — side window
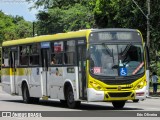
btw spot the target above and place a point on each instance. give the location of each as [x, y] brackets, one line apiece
[69, 52]
[5, 59]
[63, 52]
[34, 54]
[57, 53]
[24, 55]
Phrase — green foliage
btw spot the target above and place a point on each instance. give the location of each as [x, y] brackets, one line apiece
[78, 17]
[60, 20]
[53, 3]
[23, 29]
[49, 22]
[13, 27]
[78, 14]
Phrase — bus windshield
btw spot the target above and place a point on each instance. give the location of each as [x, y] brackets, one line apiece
[116, 59]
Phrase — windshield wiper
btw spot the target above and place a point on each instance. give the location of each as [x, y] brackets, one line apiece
[108, 50]
[126, 49]
[125, 52]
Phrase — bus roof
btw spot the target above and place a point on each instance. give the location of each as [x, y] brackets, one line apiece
[60, 36]
[43, 38]
[116, 29]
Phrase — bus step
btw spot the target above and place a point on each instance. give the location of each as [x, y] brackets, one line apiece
[45, 98]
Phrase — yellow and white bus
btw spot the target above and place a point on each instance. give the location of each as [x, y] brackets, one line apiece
[87, 65]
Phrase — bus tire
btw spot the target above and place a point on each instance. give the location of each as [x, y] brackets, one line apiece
[70, 99]
[63, 102]
[118, 104]
[34, 100]
[136, 100]
[25, 94]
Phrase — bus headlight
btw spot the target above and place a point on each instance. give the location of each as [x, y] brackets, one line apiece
[140, 85]
[95, 85]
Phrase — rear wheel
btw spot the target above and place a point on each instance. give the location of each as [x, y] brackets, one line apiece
[34, 100]
[63, 102]
[25, 94]
[70, 99]
[118, 104]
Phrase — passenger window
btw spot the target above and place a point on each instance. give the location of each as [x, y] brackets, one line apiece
[69, 58]
[6, 58]
[69, 52]
[24, 55]
[63, 52]
[56, 58]
[57, 47]
[57, 53]
[34, 54]
[70, 46]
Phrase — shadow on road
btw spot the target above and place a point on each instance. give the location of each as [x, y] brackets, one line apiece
[83, 106]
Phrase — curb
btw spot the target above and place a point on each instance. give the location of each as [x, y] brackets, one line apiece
[156, 97]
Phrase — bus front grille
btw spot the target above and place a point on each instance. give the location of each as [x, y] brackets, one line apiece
[123, 94]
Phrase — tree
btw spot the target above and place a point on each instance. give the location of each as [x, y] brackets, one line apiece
[53, 3]
[60, 20]
[6, 27]
[23, 29]
[13, 27]
[49, 22]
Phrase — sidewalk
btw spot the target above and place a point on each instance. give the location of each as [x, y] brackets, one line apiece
[155, 95]
[0, 88]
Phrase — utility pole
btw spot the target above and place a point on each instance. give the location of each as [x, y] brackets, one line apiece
[148, 23]
[148, 39]
[148, 44]
[147, 17]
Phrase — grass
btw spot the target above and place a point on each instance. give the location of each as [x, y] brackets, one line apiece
[151, 90]
[151, 87]
[158, 87]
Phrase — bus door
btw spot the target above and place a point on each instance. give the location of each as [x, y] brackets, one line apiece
[45, 62]
[82, 71]
[13, 71]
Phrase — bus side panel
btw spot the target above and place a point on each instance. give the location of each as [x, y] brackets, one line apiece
[55, 81]
[6, 80]
[57, 78]
[71, 75]
[35, 82]
[21, 75]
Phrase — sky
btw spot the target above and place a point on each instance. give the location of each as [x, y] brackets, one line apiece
[18, 7]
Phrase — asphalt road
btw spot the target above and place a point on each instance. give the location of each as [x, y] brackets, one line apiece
[95, 109]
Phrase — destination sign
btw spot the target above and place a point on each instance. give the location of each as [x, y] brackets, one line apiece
[106, 36]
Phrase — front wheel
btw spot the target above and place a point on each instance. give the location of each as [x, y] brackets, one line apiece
[118, 104]
[136, 100]
[70, 99]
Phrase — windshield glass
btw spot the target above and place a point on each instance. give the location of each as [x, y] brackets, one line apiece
[116, 60]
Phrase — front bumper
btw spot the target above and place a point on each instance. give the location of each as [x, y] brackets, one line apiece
[141, 93]
[94, 95]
